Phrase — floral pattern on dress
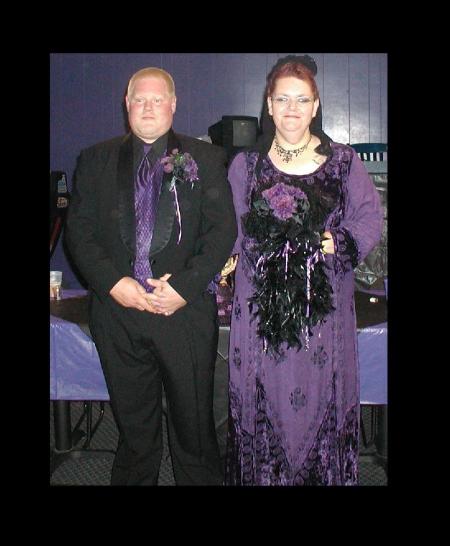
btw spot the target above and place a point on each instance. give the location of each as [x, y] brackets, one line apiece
[297, 399]
[333, 458]
[237, 357]
[237, 309]
[320, 357]
[261, 458]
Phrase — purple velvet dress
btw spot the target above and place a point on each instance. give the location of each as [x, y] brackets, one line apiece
[294, 420]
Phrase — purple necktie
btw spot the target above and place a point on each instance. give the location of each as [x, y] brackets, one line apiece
[147, 190]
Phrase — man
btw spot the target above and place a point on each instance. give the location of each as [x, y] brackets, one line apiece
[149, 245]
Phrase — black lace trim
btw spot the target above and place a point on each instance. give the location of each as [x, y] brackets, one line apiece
[346, 249]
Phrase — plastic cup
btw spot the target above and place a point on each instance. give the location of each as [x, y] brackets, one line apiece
[55, 285]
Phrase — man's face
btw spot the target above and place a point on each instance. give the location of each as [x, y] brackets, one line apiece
[150, 108]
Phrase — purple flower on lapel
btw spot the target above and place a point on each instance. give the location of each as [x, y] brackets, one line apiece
[183, 167]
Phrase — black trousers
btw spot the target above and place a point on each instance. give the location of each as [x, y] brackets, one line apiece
[139, 353]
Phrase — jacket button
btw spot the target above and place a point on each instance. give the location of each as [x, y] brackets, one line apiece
[131, 262]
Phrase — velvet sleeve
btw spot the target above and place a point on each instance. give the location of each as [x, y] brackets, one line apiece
[238, 178]
[361, 225]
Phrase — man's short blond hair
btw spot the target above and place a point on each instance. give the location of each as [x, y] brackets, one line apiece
[152, 72]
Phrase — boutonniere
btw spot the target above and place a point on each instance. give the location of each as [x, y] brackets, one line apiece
[183, 169]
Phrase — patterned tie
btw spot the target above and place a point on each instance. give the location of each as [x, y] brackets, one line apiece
[147, 189]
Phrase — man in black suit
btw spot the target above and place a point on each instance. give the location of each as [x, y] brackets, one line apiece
[149, 242]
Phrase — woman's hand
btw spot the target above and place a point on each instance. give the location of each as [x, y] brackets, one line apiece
[327, 243]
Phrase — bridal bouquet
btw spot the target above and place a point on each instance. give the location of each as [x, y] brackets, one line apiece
[292, 292]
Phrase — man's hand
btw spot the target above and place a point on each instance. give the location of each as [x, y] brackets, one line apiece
[129, 293]
[164, 297]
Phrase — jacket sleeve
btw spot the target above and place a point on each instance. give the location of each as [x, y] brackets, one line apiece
[361, 227]
[82, 227]
[218, 229]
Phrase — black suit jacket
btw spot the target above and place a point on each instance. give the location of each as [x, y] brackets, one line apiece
[100, 228]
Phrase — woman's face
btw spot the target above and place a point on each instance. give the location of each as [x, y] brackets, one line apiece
[292, 107]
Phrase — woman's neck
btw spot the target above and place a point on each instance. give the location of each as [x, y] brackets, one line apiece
[305, 162]
[294, 140]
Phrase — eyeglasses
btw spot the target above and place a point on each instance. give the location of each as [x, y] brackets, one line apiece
[301, 102]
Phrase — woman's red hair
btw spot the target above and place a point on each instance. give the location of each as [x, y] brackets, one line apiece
[295, 70]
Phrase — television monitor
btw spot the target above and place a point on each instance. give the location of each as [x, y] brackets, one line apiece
[234, 132]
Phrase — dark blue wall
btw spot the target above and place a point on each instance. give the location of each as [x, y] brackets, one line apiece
[87, 92]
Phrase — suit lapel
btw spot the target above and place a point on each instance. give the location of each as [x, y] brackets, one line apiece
[166, 207]
[125, 184]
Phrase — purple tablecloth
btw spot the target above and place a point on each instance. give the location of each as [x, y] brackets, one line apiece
[372, 351]
[75, 370]
[67, 293]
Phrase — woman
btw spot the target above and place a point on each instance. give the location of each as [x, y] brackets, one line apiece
[308, 213]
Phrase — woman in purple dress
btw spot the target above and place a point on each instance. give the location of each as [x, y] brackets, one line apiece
[308, 213]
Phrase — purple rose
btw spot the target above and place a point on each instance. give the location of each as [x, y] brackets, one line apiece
[283, 206]
[282, 199]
